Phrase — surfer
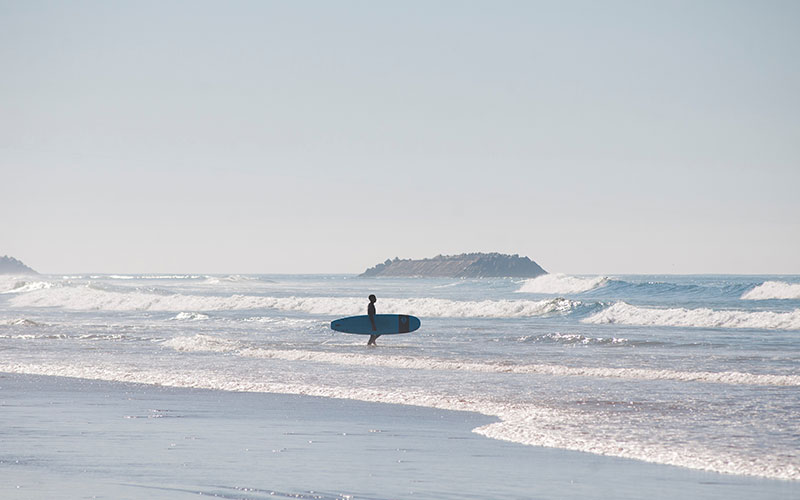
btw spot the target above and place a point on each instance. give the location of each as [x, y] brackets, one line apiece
[371, 314]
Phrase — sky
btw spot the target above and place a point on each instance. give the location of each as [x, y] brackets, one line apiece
[324, 137]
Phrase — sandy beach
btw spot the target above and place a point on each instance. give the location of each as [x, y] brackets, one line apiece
[74, 438]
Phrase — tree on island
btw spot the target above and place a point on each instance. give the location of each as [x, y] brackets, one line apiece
[467, 265]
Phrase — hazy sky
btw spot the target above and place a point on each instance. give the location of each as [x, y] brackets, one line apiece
[289, 137]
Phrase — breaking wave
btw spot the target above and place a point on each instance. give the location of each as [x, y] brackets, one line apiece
[626, 314]
[561, 284]
[90, 298]
[773, 290]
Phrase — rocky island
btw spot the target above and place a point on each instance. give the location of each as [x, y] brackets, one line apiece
[10, 265]
[467, 265]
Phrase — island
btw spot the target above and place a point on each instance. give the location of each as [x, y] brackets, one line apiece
[467, 265]
[10, 265]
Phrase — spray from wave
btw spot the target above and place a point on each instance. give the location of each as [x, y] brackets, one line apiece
[561, 284]
[773, 290]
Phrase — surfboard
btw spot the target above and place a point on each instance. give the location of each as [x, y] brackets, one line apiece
[387, 324]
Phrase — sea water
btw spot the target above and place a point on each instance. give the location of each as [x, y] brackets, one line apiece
[694, 371]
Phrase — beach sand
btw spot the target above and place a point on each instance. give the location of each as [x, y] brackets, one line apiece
[73, 438]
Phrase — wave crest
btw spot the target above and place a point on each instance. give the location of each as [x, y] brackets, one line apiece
[91, 298]
[626, 314]
[561, 284]
[773, 290]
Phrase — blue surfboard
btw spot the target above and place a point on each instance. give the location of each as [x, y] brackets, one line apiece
[387, 324]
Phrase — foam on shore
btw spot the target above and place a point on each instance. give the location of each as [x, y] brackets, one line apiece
[200, 343]
[520, 423]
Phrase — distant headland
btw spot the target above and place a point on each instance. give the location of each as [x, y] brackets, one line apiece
[10, 265]
[467, 265]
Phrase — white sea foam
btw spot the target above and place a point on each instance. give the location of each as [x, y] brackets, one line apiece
[144, 276]
[200, 343]
[234, 278]
[21, 286]
[626, 314]
[553, 428]
[170, 277]
[561, 284]
[106, 337]
[573, 338]
[31, 336]
[22, 322]
[8, 282]
[773, 290]
[272, 321]
[190, 316]
[89, 298]
[521, 423]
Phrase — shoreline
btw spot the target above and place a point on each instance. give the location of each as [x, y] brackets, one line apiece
[115, 439]
[526, 426]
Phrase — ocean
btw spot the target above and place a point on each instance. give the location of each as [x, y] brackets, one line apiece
[700, 372]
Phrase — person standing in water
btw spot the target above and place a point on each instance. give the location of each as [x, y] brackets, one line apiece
[371, 314]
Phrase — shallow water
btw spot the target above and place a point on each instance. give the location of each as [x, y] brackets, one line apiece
[695, 371]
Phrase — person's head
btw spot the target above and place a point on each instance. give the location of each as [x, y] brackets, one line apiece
[372, 298]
